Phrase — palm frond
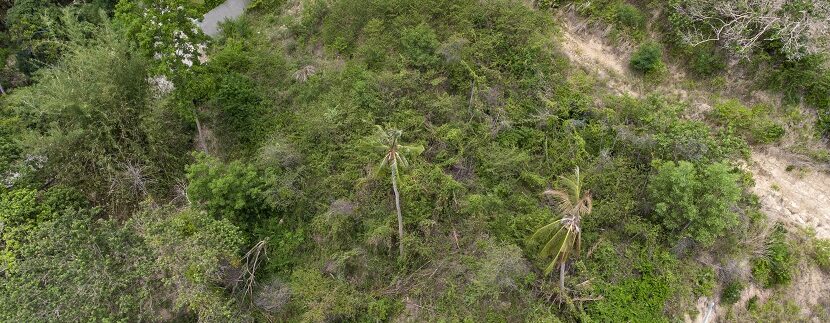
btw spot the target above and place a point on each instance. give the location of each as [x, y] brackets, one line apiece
[383, 163]
[555, 242]
[563, 198]
[545, 230]
[402, 160]
[412, 150]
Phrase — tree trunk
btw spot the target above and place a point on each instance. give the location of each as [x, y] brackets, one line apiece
[398, 209]
[202, 141]
[2, 91]
[562, 276]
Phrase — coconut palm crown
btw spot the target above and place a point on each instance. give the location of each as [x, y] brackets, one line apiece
[564, 234]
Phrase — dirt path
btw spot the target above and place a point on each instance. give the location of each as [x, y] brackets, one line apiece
[230, 9]
[597, 58]
[799, 197]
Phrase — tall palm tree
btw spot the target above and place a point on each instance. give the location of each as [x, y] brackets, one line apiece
[563, 235]
[394, 159]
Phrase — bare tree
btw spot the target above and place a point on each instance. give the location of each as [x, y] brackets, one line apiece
[802, 28]
[253, 259]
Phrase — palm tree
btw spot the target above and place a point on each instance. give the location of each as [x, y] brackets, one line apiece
[389, 140]
[563, 235]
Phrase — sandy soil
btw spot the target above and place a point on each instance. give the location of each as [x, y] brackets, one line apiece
[799, 197]
[597, 58]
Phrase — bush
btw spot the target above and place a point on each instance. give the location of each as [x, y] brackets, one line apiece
[705, 61]
[692, 202]
[418, 45]
[325, 298]
[751, 123]
[241, 110]
[776, 267]
[821, 253]
[629, 16]
[234, 191]
[804, 81]
[647, 59]
[731, 292]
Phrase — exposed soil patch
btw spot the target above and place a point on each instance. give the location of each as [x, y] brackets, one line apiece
[791, 191]
[597, 58]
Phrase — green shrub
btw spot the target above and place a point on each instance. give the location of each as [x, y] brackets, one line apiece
[647, 59]
[418, 45]
[240, 110]
[381, 310]
[234, 191]
[320, 298]
[266, 5]
[629, 16]
[752, 303]
[705, 61]
[694, 203]
[631, 300]
[821, 253]
[777, 266]
[72, 252]
[752, 123]
[806, 80]
[731, 292]
[775, 309]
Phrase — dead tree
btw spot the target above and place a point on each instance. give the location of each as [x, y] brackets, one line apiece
[253, 259]
[740, 25]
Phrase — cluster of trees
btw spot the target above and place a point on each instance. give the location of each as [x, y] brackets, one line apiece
[256, 187]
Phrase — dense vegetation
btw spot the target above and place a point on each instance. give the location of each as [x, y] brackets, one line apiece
[374, 160]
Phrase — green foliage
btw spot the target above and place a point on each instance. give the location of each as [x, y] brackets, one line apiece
[806, 80]
[629, 16]
[647, 59]
[705, 61]
[776, 267]
[775, 309]
[265, 5]
[286, 115]
[93, 114]
[418, 45]
[641, 295]
[655, 126]
[234, 191]
[752, 123]
[626, 19]
[196, 255]
[28, 29]
[321, 298]
[86, 263]
[164, 29]
[821, 253]
[694, 202]
[20, 213]
[634, 299]
[240, 107]
[732, 292]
